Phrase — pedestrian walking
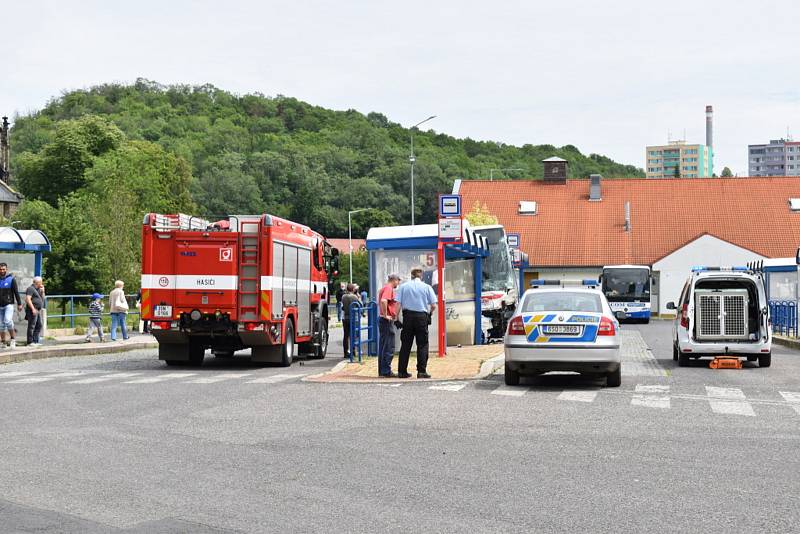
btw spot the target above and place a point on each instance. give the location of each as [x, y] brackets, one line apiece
[418, 302]
[388, 309]
[95, 317]
[339, 295]
[34, 302]
[348, 299]
[9, 299]
[118, 306]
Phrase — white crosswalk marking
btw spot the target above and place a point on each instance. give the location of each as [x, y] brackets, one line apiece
[218, 378]
[509, 391]
[448, 386]
[793, 398]
[578, 395]
[160, 378]
[104, 378]
[651, 396]
[729, 401]
[17, 373]
[31, 380]
[275, 378]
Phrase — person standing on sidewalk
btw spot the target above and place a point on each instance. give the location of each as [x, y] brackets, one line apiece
[347, 300]
[34, 302]
[388, 309]
[95, 317]
[418, 302]
[9, 299]
[118, 305]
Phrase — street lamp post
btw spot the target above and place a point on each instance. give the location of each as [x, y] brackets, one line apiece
[413, 160]
[350, 236]
[491, 172]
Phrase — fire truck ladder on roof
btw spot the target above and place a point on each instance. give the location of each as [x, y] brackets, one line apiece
[249, 261]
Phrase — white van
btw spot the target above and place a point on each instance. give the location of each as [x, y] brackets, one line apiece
[722, 312]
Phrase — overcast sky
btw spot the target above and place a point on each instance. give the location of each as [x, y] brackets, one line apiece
[609, 77]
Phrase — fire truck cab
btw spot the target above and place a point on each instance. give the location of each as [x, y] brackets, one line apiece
[247, 281]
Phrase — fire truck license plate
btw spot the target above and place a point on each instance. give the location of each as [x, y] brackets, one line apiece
[562, 329]
[163, 311]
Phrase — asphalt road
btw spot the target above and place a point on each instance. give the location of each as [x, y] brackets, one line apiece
[119, 443]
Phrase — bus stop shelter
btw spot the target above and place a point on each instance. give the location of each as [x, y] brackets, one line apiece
[22, 251]
[397, 249]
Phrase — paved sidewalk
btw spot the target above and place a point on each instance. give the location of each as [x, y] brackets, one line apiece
[460, 363]
[75, 346]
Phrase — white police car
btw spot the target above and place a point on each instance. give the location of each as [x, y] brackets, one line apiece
[563, 326]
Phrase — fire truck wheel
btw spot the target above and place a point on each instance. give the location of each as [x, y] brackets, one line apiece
[322, 349]
[287, 351]
[196, 355]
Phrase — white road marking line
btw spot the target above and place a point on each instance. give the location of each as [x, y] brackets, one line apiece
[9, 374]
[509, 391]
[218, 378]
[729, 401]
[103, 378]
[578, 395]
[70, 374]
[159, 378]
[389, 385]
[651, 396]
[275, 378]
[31, 380]
[453, 386]
[792, 398]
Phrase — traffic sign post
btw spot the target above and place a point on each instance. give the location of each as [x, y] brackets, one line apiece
[451, 230]
[513, 240]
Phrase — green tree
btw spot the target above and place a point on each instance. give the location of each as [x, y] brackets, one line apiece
[726, 173]
[480, 215]
[373, 218]
[360, 269]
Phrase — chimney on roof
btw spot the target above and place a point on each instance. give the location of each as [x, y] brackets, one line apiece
[555, 170]
[627, 216]
[595, 193]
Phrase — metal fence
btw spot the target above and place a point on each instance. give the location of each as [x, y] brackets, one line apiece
[784, 317]
[75, 306]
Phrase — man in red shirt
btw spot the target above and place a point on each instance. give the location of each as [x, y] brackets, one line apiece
[388, 310]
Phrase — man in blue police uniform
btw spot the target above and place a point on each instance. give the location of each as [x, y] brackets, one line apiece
[418, 302]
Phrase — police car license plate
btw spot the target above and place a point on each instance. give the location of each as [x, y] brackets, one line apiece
[163, 311]
[563, 329]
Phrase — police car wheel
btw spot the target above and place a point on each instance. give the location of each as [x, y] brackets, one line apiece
[511, 377]
[614, 379]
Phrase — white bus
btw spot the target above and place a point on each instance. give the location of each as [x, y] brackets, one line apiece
[627, 288]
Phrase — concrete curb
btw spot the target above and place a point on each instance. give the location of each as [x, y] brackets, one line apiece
[490, 366]
[786, 342]
[63, 351]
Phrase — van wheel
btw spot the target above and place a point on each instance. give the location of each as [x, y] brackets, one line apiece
[511, 376]
[287, 350]
[175, 363]
[765, 360]
[683, 360]
[614, 379]
[675, 352]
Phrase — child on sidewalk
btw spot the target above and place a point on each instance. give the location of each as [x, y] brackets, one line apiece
[95, 314]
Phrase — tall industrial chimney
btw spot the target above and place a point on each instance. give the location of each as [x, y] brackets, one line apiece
[709, 126]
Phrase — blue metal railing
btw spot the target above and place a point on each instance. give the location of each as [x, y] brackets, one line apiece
[357, 339]
[784, 317]
[70, 306]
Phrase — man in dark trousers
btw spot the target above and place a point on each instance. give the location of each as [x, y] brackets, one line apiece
[34, 302]
[347, 300]
[9, 301]
[388, 309]
[418, 302]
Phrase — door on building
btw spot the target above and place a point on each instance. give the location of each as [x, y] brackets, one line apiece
[655, 293]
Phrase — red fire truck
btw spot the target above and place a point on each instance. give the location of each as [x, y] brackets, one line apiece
[248, 281]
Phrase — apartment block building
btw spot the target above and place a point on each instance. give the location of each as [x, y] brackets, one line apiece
[679, 160]
[780, 157]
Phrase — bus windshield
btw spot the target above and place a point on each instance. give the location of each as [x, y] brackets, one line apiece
[626, 283]
[498, 274]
